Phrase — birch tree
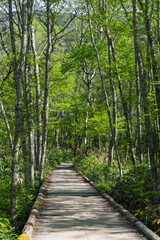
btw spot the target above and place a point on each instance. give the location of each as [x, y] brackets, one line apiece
[46, 95]
[18, 77]
[104, 90]
[149, 132]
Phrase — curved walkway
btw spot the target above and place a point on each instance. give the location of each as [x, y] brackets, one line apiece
[74, 210]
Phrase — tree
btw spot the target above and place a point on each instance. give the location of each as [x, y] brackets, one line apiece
[138, 63]
[46, 94]
[105, 93]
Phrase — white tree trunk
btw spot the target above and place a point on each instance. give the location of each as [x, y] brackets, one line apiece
[105, 93]
[46, 95]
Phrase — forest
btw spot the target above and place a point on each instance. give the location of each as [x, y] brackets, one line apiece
[80, 82]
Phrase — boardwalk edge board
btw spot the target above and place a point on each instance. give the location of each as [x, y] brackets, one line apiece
[28, 228]
[143, 228]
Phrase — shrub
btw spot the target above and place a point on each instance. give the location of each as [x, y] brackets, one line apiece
[92, 168]
[6, 230]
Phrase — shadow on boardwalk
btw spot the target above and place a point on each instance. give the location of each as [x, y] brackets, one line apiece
[74, 210]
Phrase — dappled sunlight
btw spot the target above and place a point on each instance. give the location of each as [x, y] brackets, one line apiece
[74, 210]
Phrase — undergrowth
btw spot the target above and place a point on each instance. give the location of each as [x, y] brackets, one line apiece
[97, 171]
[25, 200]
[133, 191]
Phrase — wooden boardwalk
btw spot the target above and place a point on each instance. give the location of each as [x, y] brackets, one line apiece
[75, 210]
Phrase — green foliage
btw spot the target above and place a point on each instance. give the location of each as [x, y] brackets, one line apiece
[53, 158]
[23, 198]
[134, 192]
[78, 56]
[104, 186]
[23, 208]
[139, 183]
[5, 181]
[92, 168]
[6, 230]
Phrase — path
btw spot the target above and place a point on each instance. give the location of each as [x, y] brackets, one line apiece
[74, 210]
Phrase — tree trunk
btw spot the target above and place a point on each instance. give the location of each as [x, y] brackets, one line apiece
[114, 97]
[38, 101]
[29, 96]
[89, 86]
[110, 152]
[18, 77]
[19, 91]
[46, 95]
[154, 65]
[30, 130]
[87, 78]
[7, 126]
[149, 132]
[16, 144]
[104, 90]
[139, 124]
[124, 103]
